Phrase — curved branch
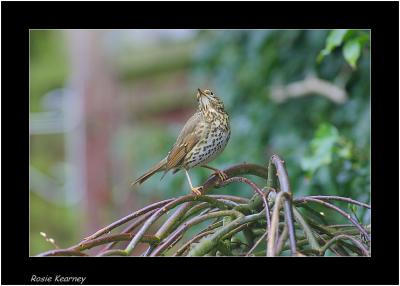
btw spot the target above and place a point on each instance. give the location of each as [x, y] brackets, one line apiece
[111, 238]
[190, 223]
[207, 244]
[262, 237]
[343, 213]
[187, 244]
[130, 228]
[240, 169]
[257, 190]
[113, 252]
[307, 230]
[127, 218]
[154, 217]
[342, 237]
[62, 252]
[275, 222]
[337, 198]
[285, 187]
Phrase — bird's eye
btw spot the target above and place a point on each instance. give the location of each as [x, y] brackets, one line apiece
[212, 93]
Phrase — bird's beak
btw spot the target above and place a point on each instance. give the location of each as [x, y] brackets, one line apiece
[200, 93]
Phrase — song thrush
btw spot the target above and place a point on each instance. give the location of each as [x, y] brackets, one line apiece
[203, 137]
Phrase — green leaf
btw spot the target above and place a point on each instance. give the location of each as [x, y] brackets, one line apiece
[322, 148]
[352, 51]
[363, 39]
[334, 39]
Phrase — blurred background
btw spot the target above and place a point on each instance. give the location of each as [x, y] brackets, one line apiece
[107, 104]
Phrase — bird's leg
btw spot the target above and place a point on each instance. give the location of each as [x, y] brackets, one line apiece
[221, 174]
[195, 190]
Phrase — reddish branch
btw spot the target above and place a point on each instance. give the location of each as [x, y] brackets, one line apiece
[193, 210]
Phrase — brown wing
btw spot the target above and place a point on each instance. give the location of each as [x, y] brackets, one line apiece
[187, 139]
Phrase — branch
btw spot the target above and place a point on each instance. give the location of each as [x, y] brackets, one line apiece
[62, 252]
[275, 223]
[310, 85]
[153, 218]
[131, 228]
[307, 230]
[191, 241]
[207, 244]
[256, 189]
[285, 187]
[333, 198]
[127, 218]
[190, 223]
[341, 237]
[343, 213]
[240, 169]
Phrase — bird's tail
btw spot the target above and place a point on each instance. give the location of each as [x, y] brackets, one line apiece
[155, 169]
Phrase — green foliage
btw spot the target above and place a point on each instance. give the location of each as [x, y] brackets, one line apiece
[334, 39]
[351, 52]
[48, 64]
[48, 71]
[353, 44]
[327, 145]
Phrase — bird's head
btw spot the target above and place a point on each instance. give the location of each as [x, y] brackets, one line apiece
[208, 101]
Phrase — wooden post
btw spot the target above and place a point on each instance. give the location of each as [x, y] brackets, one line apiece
[94, 87]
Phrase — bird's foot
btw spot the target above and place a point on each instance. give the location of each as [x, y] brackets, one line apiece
[222, 175]
[197, 190]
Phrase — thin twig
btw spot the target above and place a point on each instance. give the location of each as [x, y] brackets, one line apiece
[153, 218]
[307, 230]
[187, 244]
[256, 189]
[127, 218]
[113, 252]
[343, 213]
[334, 198]
[206, 245]
[282, 239]
[190, 223]
[285, 187]
[62, 252]
[341, 237]
[275, 222]
[130, 228]
[257, 243]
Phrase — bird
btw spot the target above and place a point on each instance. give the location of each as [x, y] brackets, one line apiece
[203, 137]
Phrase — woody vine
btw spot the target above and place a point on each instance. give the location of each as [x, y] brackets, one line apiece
[273, 222]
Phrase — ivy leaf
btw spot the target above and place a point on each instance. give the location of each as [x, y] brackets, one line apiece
[352, 51]
[334, 39]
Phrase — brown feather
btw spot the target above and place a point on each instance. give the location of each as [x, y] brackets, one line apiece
[187, 139]
[160, 166]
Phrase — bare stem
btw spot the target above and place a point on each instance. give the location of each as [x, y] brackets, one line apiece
[342, 237]
[62, 252]
[343, 213]
[190, 223]
[275, 223]
[285, 187]
[335, 198]
[307, 230]
[262, 237]
[127, 218]
[207, 244]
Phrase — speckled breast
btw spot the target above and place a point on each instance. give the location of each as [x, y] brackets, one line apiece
[212, 144]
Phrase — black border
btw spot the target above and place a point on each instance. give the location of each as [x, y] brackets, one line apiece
[381, 17]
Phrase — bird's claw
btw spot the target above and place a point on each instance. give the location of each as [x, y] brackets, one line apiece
[197, 190]
[222, 175]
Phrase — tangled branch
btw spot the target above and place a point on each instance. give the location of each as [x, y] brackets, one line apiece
[263, 225]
